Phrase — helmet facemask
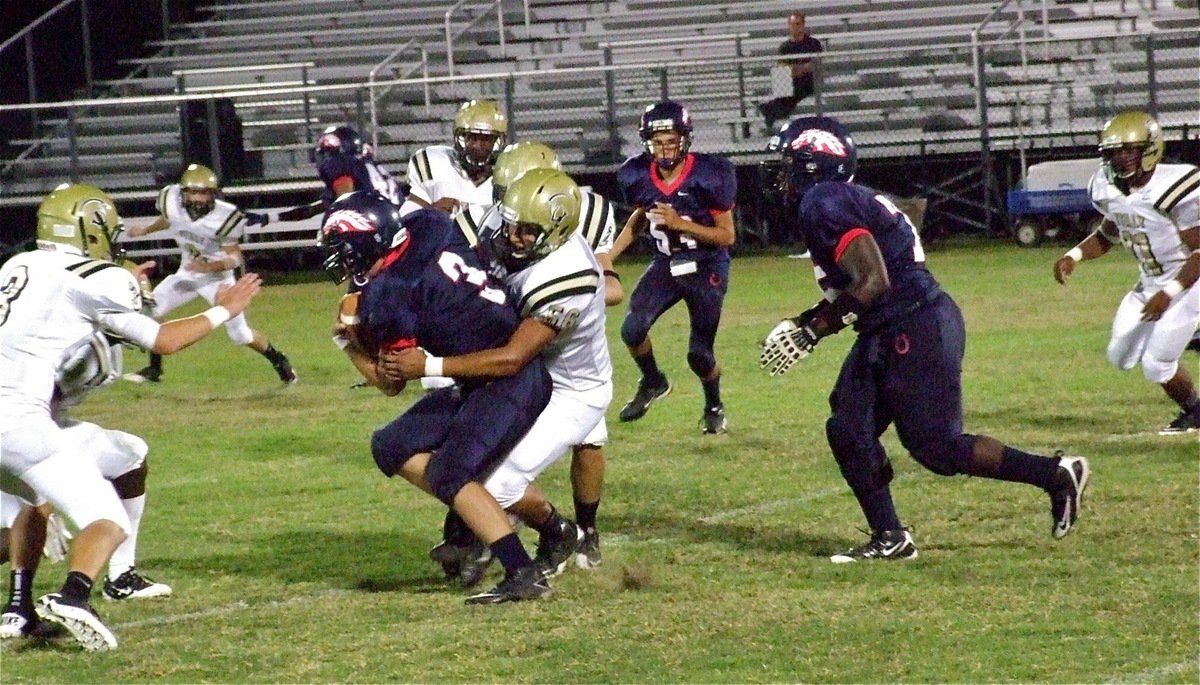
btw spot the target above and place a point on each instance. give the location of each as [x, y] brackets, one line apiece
[1131, 146]
[480, 131]
[668, 147]
[198, 202]
[540, 211]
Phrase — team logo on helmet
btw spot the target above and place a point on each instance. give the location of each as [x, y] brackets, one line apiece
[348, 221]
[819, 140]
[330, 140]
[560, 208]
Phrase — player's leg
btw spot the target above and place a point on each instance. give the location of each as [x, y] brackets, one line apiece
[173, 292]
[1168, 338]
[587, 485]
[705, 297]
[654, 294]
[26, 526]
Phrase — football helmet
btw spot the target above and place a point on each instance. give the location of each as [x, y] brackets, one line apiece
[480, 130]
[518, 158]
[199, 190]
[813, 149]
[339, 139]
[1137, 131]
[79, 219]
[358, 229]
[540, 212]
[666, 116]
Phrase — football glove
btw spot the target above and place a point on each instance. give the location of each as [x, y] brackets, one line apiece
[786, 344]
[58, 539]
[257, 219]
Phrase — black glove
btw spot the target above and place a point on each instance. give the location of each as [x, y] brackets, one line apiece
[257, 219]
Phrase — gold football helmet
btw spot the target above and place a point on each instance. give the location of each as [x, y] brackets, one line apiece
[480, 129]
[79, 219]
[540, 211]
[518, 158]
[1136, 130]
[199, 190]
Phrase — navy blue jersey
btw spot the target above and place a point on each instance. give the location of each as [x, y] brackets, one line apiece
[707, 185]
[434, 295]
[341, 165]
[834, 213]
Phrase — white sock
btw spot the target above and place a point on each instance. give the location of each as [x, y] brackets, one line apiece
[124, 556]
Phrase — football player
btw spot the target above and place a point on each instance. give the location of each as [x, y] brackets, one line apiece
[54, 301]
[553, 272]
[418, 290]
[598, 227]
[905, 366]
[686, 199]
[449, 177]
[1154, 210]
[344, 164]
[208, 231]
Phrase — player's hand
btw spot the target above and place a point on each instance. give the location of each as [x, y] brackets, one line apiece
[58, 539]
[407, 364]
[1063, 268]
[448, 205]
[237, 297]
[664, 215]
[1155, 306]
[257, 218]
[785, 345]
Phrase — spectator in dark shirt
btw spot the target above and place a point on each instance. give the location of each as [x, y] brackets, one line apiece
[799, 42]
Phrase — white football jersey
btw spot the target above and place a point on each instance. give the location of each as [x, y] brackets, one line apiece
[206, 237]
[563, 290]
[51, 306]
[383, 182]
[434, 173]
[597, 222]
[1149, 219]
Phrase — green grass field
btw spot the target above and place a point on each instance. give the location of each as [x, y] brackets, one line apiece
[294, 560]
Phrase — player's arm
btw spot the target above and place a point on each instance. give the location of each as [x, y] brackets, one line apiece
[1095, 245]
[174, 335]
[232, 259]
[302, 212]
[613, 291]
[158, 224]
[720, 234]
[348, 335]
[634, 225]
[498, 362]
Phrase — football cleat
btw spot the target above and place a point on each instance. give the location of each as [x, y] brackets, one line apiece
[714, 422]
[587, 554]
[146, 375]
[1186, 422]
[891, 545]
[1066, 494]
[283, 367]
[522, 584]
[79, 618]
[133, 585]
[554, 553]
[15, 623]
[465, 565]
[645, 397]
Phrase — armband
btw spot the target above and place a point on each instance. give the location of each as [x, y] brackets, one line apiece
[433, 366]
[216, 315]
[1075, 254]
[1172, 288]
[613, 274]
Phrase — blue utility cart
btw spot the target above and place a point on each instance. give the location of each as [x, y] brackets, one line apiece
[1054, 202]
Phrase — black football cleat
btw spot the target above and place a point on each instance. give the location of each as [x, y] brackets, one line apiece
[646, 396]
[522, 584]
[889, 545]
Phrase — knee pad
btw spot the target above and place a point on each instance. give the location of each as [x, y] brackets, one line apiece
[507, 485]
[701, 361]
[389, 454]
[445, 479]
[1159, 370]
[946, 457]
[864, 465]
[239, 331]
[634, 330]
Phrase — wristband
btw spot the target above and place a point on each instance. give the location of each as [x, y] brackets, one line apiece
[614, 274]
[1075, 254]
[1172, 288]
[216, 315]
[433, 366]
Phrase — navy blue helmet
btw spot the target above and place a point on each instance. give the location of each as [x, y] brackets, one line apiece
[666, 116]
[358, 229]
[813, 149]
[337, 139]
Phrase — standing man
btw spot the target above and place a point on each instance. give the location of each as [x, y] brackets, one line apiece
[906, 365]
[686, 199]
[208, 231]
[799, 42]
[1154, 210]
[54, 301]
[344, 165]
